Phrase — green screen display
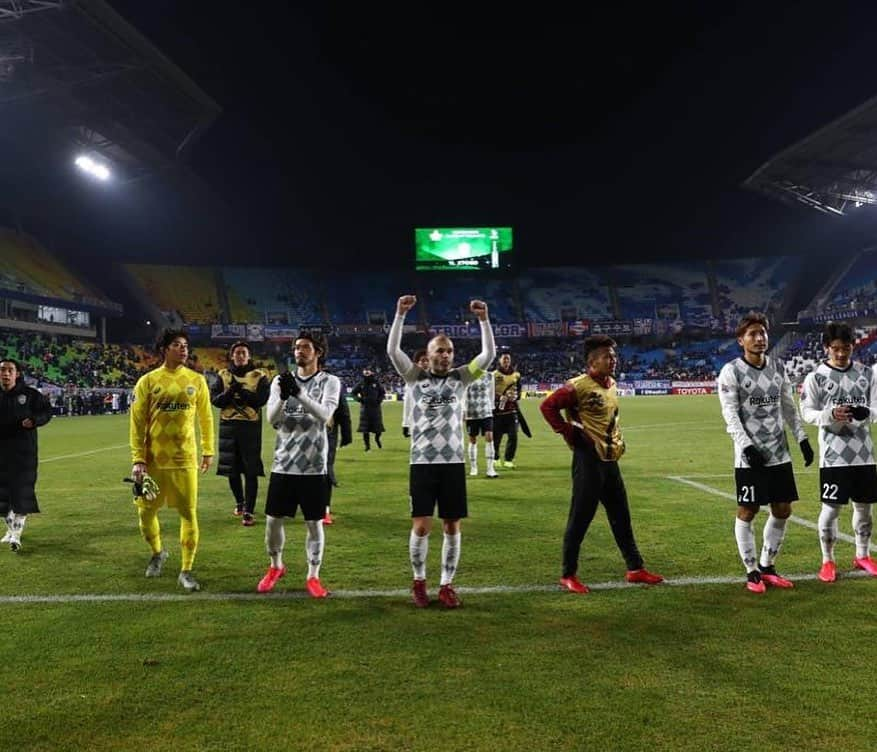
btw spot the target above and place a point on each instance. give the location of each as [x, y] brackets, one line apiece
[463, 249]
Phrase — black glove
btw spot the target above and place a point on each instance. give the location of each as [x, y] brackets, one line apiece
[406, 432]
[754, 457]
[860, 412]
[288, 386]
[807, 450]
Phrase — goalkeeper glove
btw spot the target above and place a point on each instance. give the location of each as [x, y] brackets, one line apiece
[860, 412]
[754, 457]
[807, 451]
[288, 385]
[145, 489]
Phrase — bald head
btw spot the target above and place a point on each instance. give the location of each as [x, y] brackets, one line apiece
[440, 353]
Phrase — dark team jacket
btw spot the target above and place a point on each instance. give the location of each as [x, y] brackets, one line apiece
[370, 395]
[240, 417]
[18, 445]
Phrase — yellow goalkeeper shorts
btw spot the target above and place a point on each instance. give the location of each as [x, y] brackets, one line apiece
[177, 489]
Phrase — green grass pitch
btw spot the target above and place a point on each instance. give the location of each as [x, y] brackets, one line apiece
[695, 664]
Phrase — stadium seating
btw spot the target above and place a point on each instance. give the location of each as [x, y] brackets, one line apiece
[446, 297]
[351, 298]
[753, 284]
[189, 290]
[549, 292]
[30, 268]
[666, 291]
[858, 287]
[282, 295]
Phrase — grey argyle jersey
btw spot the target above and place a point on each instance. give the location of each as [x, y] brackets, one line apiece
[759, 394]
[437, 417]
[841, 444]
[479, 398]
[301, 447]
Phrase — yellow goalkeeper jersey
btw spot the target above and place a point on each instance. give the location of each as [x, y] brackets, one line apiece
[164, 410]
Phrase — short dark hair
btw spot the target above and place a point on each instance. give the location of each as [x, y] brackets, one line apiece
[418, 354]
[595, 342]
[236, 345]
[168, 336]
[838, 330]
[317, 340]
[750, 319]
[13, 361]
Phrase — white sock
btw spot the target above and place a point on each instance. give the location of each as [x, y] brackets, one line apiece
[473, 455]
[828, 531]
[275, 538]
[772, 540]
[488, 453]
[315, 540]
[9, 517]
[17, 525]
[418, 547]
[862, 528]
[745, 543]
[450, 557]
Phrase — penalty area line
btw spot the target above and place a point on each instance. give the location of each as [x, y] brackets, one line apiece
[361, 594]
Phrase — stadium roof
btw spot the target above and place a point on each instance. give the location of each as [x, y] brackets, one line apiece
[74, 73]
[832, 170]
[76, 78]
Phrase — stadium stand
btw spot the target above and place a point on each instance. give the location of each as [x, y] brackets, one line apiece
[189, 291]
[30, 268]
[858, 287]
[667, 291]
[366, 297]
[752, 284]
[449, 304]
[548, 293]
[281, 296]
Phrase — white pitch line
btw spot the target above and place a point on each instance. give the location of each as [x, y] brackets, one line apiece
[664, 425]
[358, 594]
[82, 454]
[725, 495]
[701, 476]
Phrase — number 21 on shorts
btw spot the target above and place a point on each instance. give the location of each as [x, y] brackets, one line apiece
[746, 495]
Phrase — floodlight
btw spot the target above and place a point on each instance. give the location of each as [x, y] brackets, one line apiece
[95, 169]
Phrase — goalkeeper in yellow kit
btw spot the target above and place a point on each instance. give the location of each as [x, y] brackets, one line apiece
[167, 402]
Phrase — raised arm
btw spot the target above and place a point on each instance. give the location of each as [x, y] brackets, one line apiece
[488, 346]
[401, 362]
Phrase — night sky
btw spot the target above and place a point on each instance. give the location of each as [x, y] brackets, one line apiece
[615, 135]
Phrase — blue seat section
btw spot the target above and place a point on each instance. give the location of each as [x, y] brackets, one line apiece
[280, 295]
[350, 298]
[858, 287]
[447, 297]
[549, 291]
[667, 291]
[753, 284]
[686, 361]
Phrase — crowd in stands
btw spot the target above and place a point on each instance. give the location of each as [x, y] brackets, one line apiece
[86, 378]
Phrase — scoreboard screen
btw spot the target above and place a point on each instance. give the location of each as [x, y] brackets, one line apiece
[463, 249]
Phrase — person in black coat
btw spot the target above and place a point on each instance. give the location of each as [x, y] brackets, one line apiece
[22, 410]
[338, 425]
[370, 395]
[239, 392]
